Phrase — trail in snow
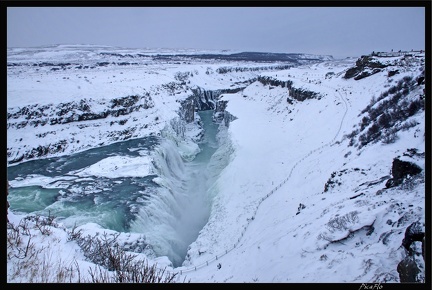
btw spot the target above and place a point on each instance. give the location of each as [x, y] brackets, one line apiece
[276, 188]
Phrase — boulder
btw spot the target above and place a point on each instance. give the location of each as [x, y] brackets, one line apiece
[413, 233]
[408, 270]
[400, 170]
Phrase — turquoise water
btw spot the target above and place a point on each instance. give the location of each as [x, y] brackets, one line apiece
[169, 215]
[110, 202]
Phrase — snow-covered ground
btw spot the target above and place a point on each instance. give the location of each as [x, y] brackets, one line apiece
[282, 160]
[275, 217]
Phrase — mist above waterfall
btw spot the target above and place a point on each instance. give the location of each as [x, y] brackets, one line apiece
[175, 215]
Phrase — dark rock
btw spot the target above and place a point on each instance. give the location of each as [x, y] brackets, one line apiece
[413, 233]
[220, 115]
[400, 170]
[413, 152]
[391, 183]
[301, 95]
[424, 246]
[370, 230]
[420, 80]
[296, 93]
[392, 73]
[408, 270]
[206, 99]
[202, 100]
[125, 101]
[363, 64]
[300, 207]
[187, 111]
[265, 80]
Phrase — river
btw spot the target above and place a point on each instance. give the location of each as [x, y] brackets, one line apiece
[165, 197]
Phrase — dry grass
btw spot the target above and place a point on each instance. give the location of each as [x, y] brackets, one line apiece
[32, 263]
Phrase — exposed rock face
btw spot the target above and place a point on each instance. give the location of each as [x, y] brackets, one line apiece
[409, 269]
[41, 151]
[265, 80]
[423, 246]
[106, 112]
[301, 94]
[187, 112]
[202, 100]
[63, 113]
[220, 115]
[413, 233]
[220, 110]
[420, 80]
[365, 66]
[392, 73]
[401, 170]
[295, 93]
[206, 99]
[76, 114]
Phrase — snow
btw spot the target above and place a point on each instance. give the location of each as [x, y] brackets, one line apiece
[118, 166]
[36, 179]
[282, 156]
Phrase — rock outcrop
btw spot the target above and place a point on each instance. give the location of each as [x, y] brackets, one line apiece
[75, 113]
[298, 94]
[63, 113]
[400, 170]
[365, 66]
[202, 100]
[409, 268]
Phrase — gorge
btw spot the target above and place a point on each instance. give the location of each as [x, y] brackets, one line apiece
[281, 171]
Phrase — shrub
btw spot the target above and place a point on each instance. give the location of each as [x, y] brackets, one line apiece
[392, 90]
[182, 76]
[384, 121]
[364, 123]
[390, 138]
[134, 272]
[342, 222]
[30, 262]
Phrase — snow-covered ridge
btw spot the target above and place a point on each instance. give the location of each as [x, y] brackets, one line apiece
[68, 98]
[94, 53]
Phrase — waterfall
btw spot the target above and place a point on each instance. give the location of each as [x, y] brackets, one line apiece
[172, 219]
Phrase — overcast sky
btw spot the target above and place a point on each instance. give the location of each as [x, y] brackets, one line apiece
[337, 31]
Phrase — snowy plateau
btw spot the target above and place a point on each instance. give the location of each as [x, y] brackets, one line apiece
[318, 175]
